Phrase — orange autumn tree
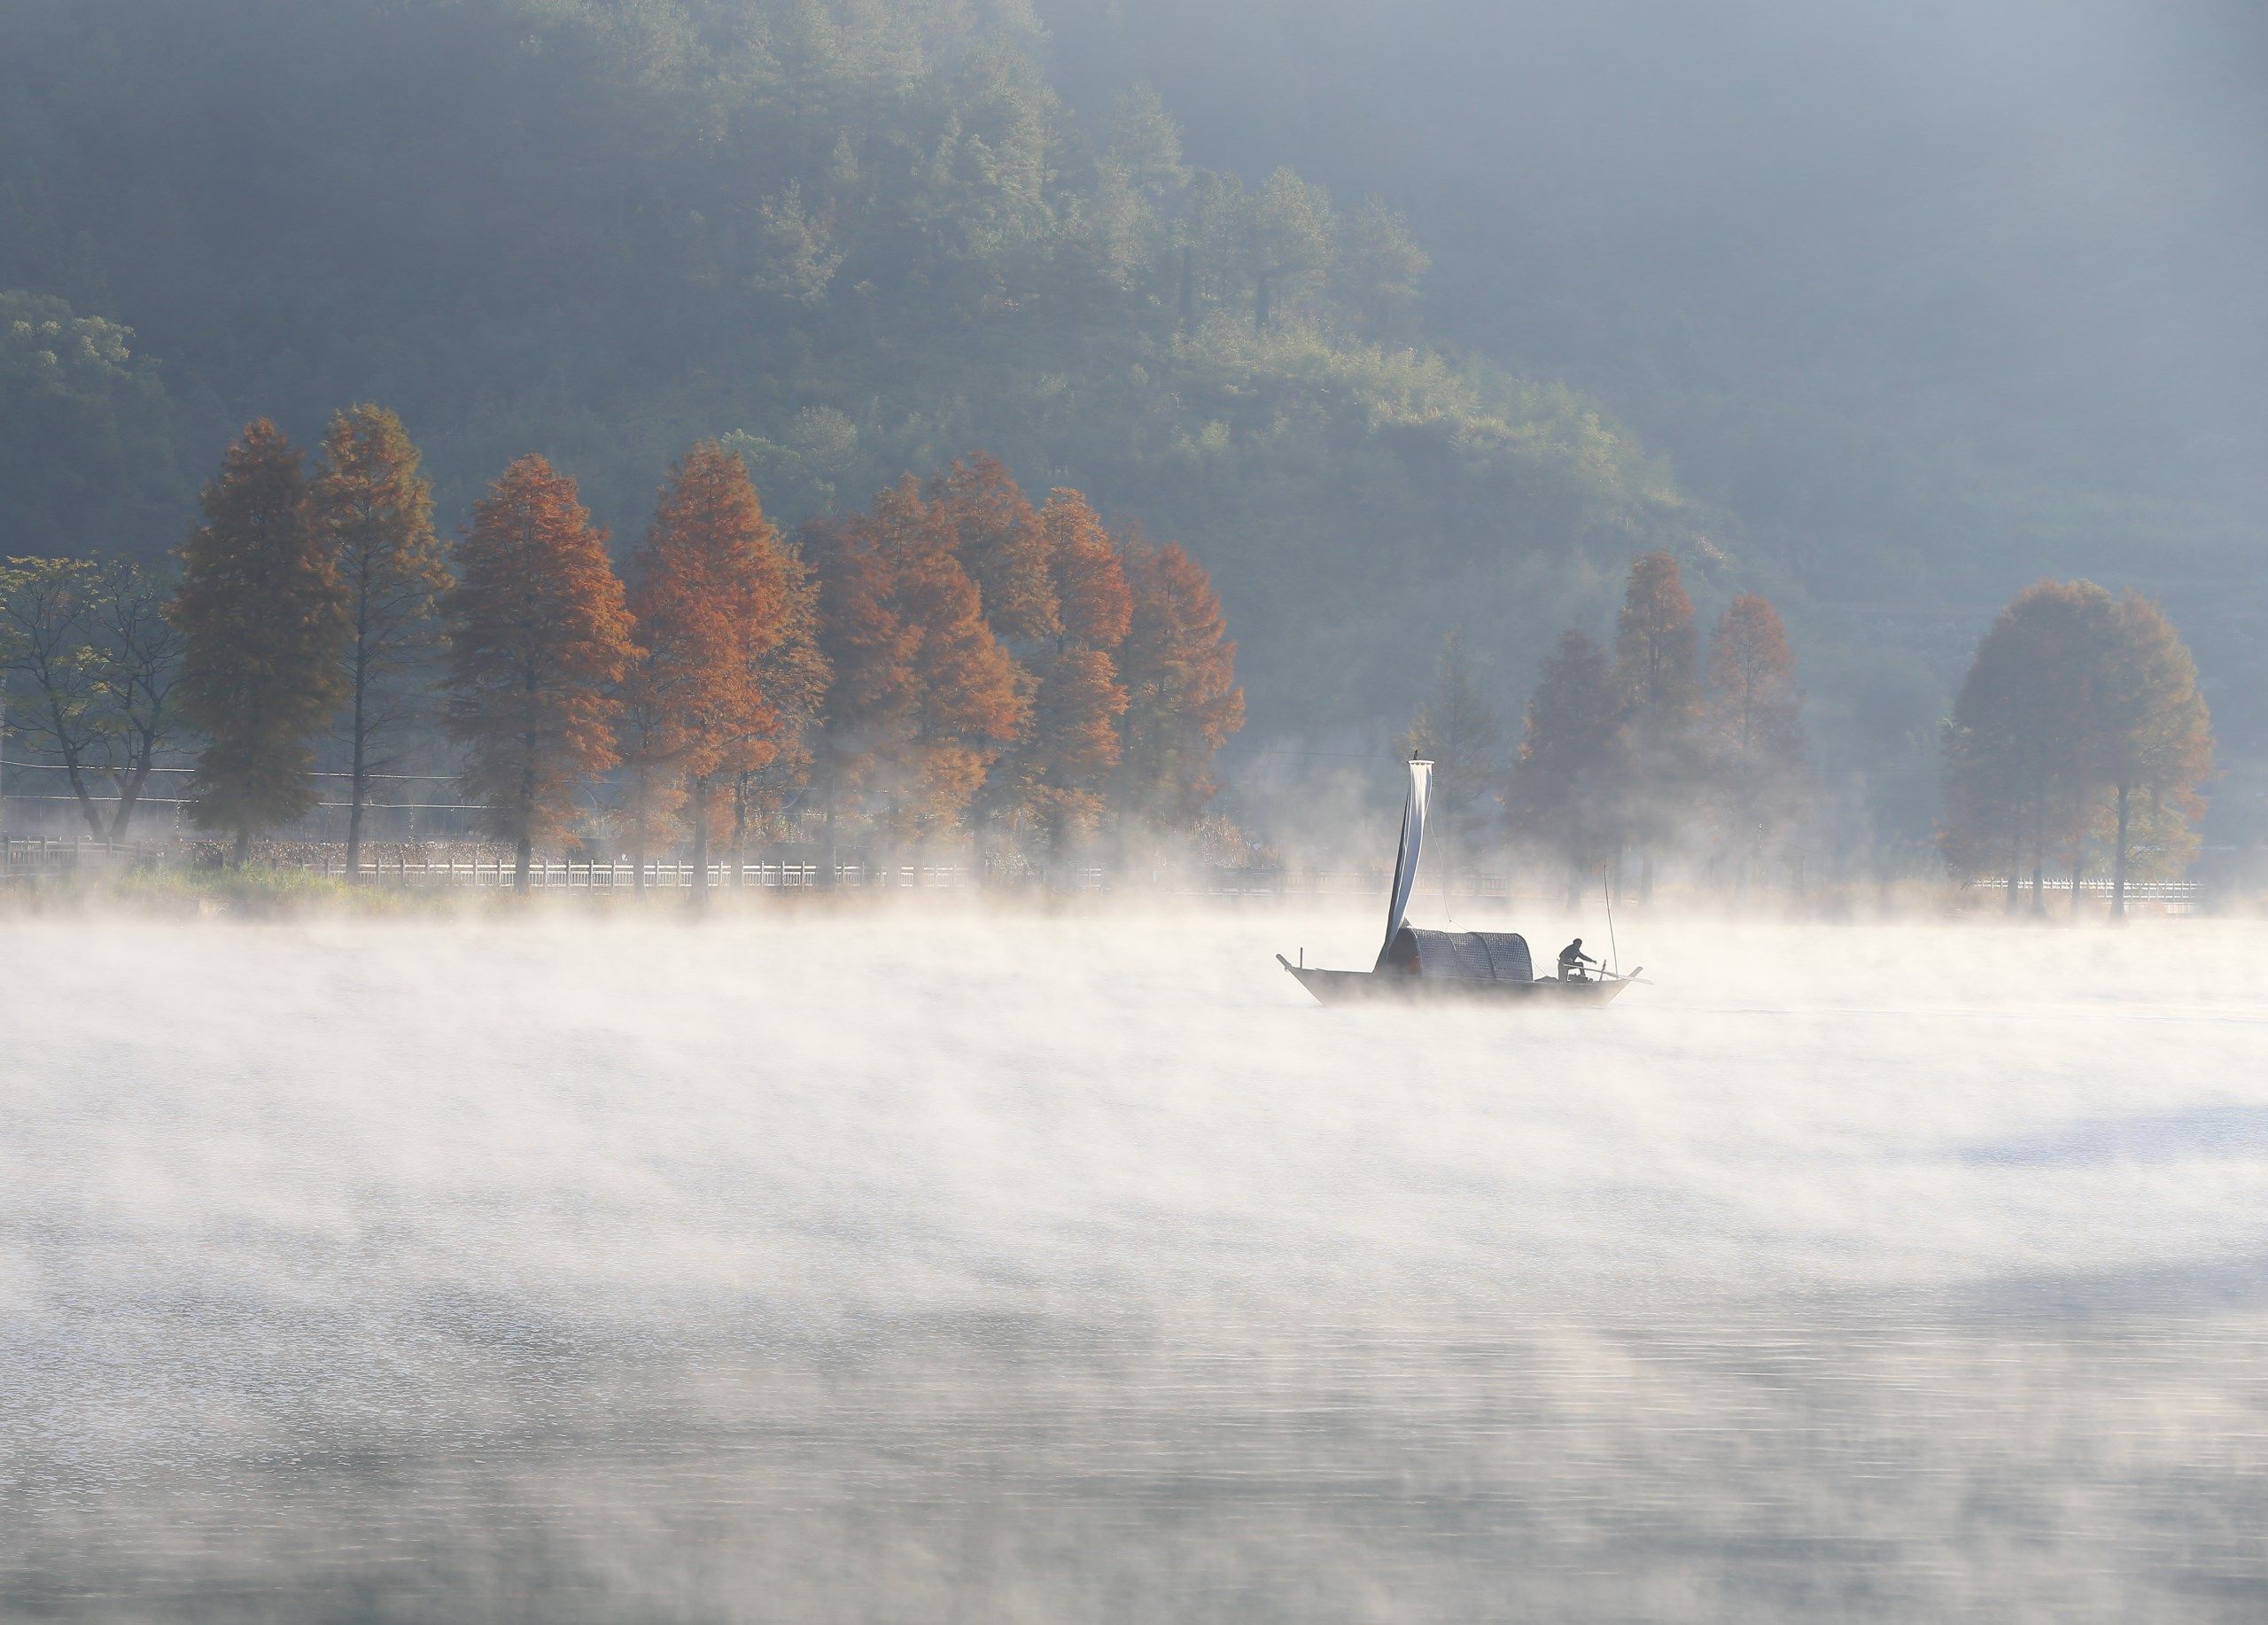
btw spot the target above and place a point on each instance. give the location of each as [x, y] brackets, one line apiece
[868, 717]
[968, 704]
[716, 594]
[262, 616]
[998, 537]
[1073, 742]
[793, 674]
[375, 511]
[1654, 650]
[1754, 731]
[1178, 665]
[538, 633]
[999, 542]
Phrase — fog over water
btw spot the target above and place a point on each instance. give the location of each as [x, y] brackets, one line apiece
[913, 1266]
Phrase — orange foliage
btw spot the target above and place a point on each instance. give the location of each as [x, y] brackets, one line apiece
[263, 619]
[539, 631]
[1073, 741]
[1090, 584]
[999, 542]
[967, 701]
[1178, 664]
[1653, 642]
[717, 593]
[869, 715]
[1075, 729]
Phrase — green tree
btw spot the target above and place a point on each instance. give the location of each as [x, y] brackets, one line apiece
[1290, 237]
[1147, 142]
[801, 472]
[800, 255]
[264, 623]
[1376, 266]
[86, 438]
[89, 648]
[374, 512]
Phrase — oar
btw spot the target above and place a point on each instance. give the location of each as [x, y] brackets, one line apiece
[1635, 976]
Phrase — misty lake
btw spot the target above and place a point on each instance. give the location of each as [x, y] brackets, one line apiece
[909, 1267]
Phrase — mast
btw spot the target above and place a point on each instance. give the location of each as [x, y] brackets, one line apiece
[1413, 841]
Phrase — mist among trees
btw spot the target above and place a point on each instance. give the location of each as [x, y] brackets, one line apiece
[1405, 321]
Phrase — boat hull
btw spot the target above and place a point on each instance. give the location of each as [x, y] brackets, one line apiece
[1334, 987]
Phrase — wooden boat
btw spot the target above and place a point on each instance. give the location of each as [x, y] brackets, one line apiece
[1337, 987]
[1417, 966]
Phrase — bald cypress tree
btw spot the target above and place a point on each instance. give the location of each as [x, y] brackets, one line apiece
[1754, 731]
[263, 619]
[716, 591]
[1654, 662]
[2155, 740]
[538, 633]
[375, 513]
[1566, 794]
[2079, 714]
[1178, 667]
[867, 648]
[1073, 743]
[968, 703]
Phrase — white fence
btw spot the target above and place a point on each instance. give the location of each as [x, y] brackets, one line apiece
[2176, 897]
[37, 859]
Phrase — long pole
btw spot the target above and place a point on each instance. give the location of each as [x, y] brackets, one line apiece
[1607, 886]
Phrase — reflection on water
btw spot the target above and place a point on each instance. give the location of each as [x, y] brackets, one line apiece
[1077, 1274]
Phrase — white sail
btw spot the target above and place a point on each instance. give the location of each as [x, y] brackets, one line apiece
[1413, 838]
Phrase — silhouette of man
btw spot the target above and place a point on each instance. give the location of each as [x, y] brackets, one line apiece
[1572, 960]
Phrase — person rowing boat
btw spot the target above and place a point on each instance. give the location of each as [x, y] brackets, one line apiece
[1415, 964]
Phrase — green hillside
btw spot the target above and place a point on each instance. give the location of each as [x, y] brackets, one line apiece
[1402, 318]
[860, 238]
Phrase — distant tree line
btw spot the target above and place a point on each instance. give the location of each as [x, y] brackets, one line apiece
[2078, 740]
[950, 659]
[1638, 752]
[849, 239]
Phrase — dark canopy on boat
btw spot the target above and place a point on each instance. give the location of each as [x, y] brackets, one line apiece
[1462, 956]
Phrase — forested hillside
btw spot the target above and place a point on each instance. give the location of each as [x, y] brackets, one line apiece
[1920, 302]
[1893, 343]
[858, 239]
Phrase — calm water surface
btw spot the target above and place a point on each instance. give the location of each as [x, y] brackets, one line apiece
[1065, 1270]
